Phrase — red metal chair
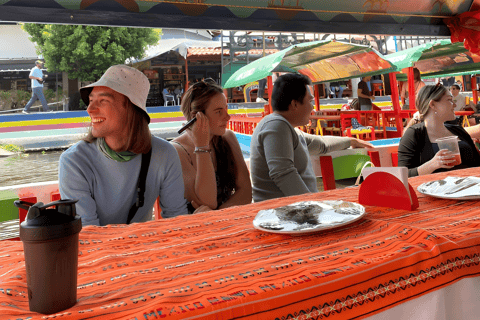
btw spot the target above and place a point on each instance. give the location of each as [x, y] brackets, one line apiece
[328, 174]
[365, 133]
[377, 87]
[9, 231]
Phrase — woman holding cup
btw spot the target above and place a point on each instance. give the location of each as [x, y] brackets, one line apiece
[438, 143]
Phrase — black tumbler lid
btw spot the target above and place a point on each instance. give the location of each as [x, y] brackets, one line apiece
[43, 224]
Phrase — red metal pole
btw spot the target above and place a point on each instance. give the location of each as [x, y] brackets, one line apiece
[316, 89]
[411, 88]
[268, 107]
[395, 101]
[474, 88]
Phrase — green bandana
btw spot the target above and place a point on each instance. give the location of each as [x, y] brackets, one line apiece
[110, 154]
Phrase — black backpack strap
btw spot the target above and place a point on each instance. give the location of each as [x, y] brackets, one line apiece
[142, 180]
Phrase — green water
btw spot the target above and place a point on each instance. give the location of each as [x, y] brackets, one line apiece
[28, 168]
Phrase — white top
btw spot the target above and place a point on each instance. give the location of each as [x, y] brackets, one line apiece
[460, 102]
[36, 72]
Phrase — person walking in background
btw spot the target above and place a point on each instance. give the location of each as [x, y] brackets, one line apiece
[365, 98]
[36, 75]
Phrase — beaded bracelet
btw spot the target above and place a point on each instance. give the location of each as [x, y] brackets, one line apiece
[201, 149]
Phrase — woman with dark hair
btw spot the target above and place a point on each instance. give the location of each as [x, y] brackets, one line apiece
[214, 172]
[418, 150]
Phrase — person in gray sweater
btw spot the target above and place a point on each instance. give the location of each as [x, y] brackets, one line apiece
[103, 170]
[280, 163]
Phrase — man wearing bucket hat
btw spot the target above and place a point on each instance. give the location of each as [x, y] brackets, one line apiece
[109, 171]
[36, 75]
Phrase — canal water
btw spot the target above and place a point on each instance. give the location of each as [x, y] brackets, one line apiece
[34, 167]
[29, 167]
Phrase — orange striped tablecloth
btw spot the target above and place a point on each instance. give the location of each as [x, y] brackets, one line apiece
[216, 265]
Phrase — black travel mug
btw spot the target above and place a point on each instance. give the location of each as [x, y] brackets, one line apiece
[50, 245]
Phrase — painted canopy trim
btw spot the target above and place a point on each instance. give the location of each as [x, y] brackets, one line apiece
[419, 17]
[321, 61]
[436, 59]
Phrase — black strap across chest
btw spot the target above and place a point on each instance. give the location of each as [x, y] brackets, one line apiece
[142, 180]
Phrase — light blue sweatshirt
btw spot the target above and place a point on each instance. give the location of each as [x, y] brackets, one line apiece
[106, 189]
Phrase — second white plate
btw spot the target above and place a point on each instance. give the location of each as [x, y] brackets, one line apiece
[460, 188]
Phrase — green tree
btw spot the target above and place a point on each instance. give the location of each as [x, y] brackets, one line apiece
[85, 52]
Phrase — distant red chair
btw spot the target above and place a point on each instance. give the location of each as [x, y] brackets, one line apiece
[7, 233]
[377, 87]
[55, 195]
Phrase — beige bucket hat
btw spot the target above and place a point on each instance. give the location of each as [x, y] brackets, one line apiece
[125, 80]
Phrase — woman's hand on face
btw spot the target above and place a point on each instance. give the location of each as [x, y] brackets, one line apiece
[442, 159]
[200, 131]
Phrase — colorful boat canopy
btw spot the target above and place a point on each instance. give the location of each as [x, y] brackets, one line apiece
[394, 17]
[321, 61]
[436, 59]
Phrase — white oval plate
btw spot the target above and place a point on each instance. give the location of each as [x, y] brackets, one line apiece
[308, 216]
[455, 188]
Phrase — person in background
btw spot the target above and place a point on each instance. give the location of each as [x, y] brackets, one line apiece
[214, 171]
[418, 85]
[418, 150]
[328, 90]
[280, 154]
[36, 76]
[460, 99]
[178, 92]
[337, 88]
[365, 98]
[262, 83]
[103, 170]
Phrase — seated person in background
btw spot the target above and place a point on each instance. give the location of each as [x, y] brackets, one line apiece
[365, 98]
[178, 92]
[102, 171]
[417, 149]
[214, 171]
[460, 99]
[419, 84]
[337, 88]
[280, 154]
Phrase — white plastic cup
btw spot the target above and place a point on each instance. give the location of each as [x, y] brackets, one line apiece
[451, 144]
